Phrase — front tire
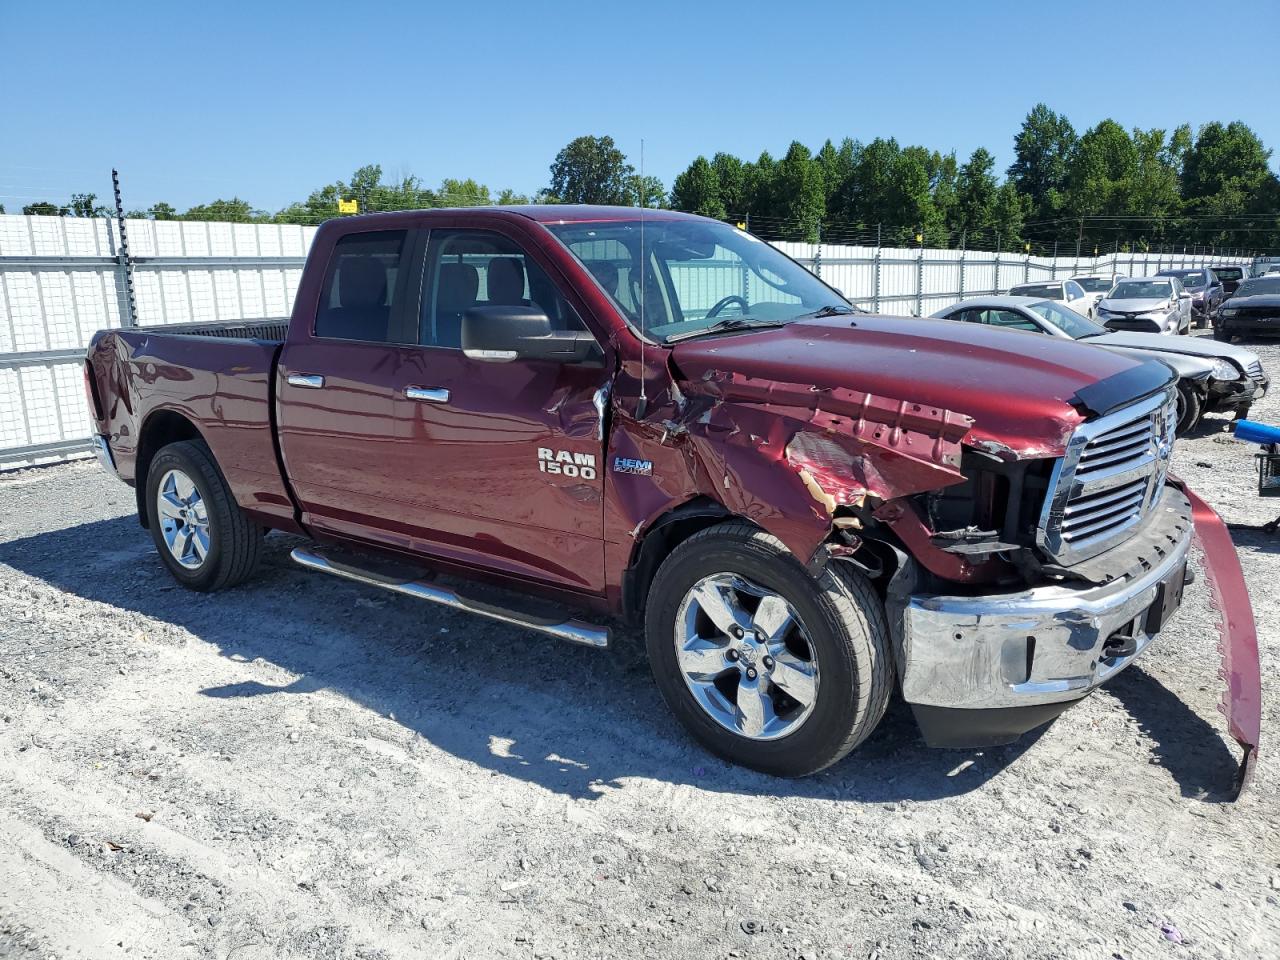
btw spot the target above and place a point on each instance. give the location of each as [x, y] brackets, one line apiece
[764, 664]
[202, 535]
[1189, 409]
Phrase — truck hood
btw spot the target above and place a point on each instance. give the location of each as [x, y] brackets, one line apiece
[1021, 389]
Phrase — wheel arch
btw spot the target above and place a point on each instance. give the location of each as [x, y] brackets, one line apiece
[661, 537]
[161, 428]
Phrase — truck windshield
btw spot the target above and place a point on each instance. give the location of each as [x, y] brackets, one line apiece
[697, 274]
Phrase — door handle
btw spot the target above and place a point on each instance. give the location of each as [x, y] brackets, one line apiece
[427, 394]
[312, 381]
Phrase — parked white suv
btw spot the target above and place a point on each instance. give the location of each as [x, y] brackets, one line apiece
[1068, 292]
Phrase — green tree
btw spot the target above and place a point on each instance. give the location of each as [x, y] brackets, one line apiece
[1011, 211]
[162, 211]
[86, 205]
[590, 170]
[976, 191]
[43, 208]
[463, 193]
[509, 197]
[234, 210]
[1042, 153]
[697, 190]
[1101, 171]
[799, 195]
[731, 175]
[836, 165]
[645, 191]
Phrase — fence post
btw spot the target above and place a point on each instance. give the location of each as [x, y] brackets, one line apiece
[817, 254]
[875, 294]
[920, 281]
[962, 252]
[1054, 268]
[124, 268]
[996, 291]
[1026, 268]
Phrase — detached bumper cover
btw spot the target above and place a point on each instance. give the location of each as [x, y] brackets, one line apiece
[1238, 643]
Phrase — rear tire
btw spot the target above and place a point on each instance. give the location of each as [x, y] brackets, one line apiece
[838, 641]
[202, 535]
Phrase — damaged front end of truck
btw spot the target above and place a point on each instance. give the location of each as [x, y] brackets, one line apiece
[1020, 569]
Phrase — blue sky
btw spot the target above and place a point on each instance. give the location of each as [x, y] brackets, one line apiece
[268, 100]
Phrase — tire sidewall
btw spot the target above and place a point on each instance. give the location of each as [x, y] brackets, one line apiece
[175, 457]
[834, 715]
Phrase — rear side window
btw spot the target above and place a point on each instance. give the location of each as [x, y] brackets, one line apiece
[358, 299]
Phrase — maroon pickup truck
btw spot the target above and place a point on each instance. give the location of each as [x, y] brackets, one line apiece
[562, 417]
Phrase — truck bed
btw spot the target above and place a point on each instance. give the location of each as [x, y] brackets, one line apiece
[218, 377]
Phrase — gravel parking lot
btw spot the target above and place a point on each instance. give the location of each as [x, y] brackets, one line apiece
[303, 767]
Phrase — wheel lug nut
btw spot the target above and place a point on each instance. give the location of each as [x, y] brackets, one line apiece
[732, 655]
[751, 673]
[768, 663]
[737, 633]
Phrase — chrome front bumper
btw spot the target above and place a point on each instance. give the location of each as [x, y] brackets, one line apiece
[1028, 649]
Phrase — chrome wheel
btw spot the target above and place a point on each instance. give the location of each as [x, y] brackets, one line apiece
[745, 657]
[184, 519]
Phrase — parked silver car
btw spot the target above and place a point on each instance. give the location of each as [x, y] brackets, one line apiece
[1146, 305]
[1211, 375]
[1205, 288]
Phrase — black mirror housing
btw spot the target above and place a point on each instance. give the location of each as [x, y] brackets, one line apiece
[500, 334]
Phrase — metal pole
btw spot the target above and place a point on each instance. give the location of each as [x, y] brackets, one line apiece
[875, 297]
[128, 303]
[920, 278]
[962, 251]
[817, 254]
[1055, 260]
[996, 291]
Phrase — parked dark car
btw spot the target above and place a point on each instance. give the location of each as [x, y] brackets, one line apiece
[1231, 276]
[1205, 288]
[1253, 308]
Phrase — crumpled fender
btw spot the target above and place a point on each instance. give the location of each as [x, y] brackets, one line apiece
[1238, 635]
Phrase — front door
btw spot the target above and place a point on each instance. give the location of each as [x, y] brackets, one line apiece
[500, 464]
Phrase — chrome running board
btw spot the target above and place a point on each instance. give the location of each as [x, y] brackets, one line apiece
[574, 631]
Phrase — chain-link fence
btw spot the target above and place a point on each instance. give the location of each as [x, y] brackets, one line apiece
[63, 278]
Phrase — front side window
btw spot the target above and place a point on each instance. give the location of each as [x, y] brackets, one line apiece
[475, 268]
[358, 299]
[1074, 290]
[1009, 319]
[692, 274]
[1068, 321]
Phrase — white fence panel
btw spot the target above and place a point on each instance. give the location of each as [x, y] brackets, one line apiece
[61, 280]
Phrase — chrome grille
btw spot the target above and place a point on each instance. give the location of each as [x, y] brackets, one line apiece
[1254, 372]
[1112, 472]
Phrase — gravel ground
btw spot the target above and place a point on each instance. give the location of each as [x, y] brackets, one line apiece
[305, 768]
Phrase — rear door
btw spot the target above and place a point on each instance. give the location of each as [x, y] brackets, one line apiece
[337, 388]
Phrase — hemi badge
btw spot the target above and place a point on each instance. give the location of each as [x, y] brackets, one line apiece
[642, 468]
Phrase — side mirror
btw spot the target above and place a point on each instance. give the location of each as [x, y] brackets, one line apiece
[503, 334]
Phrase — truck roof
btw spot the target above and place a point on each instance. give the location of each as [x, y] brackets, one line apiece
[539, 212]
